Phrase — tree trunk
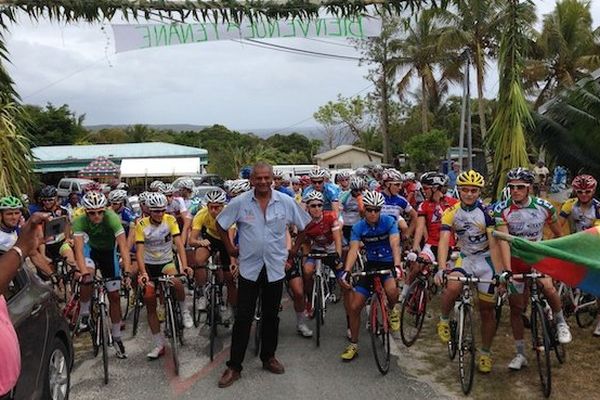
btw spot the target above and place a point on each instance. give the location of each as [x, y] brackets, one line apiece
[385, 119]
[479, 63]
[424, 112]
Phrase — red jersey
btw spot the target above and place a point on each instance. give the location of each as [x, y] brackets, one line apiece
[433, 218]
[321, 232]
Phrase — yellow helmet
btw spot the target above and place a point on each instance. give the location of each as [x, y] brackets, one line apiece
[470, 178]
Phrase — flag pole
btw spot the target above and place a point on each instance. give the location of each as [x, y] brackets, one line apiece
[503, 236]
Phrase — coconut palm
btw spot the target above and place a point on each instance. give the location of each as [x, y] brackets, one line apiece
[566, 50]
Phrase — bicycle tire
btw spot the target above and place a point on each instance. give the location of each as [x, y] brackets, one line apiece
[258, 326]
[93, 329]
[413, 312]
[195, 309]
[451, 345]
[498, 310]
[380, 334]
[172, 328]
[541, 346]
[213, 320]
[126, 294]
[318, 309]
[104, 337]
[559, 348]
[466, 350]
[585, 317]
[136, 310]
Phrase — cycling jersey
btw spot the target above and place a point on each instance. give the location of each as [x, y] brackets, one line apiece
[330, 194]
[8, 238]
[376, 238]
[176, 207]
[321, 232]
[101, 236]
[285, 190]
[395, 205]
[204, 220]
[432, 212]
[157, 239]
[528, 221]
[580, 219]
[127, 218]
[470, 224]
[350, 207]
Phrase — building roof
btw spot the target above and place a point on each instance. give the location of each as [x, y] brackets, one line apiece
[344, 148]
[114, 151]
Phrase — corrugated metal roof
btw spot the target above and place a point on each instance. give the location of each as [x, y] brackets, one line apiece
[115, 151]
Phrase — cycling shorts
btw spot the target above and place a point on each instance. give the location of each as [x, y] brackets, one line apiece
[53, 251]
[329, 261]
[478, 266]
[294, 272]
[217, 245]
[108, 264]
[346, 233]
[155, 271]
[364, 286]
[518, 267]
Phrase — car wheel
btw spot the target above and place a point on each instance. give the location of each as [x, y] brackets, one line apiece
[58, 372]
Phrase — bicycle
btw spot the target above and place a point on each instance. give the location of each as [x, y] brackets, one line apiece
[72, 308]
[213, 293]
[544, 335]
[414, 306]
[320, 292]
[137, 307]
[99, 322]
[583, 305]
[379, 327]
[462, 330]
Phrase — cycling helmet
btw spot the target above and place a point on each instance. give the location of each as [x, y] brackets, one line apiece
[245, 173]
[377, 169]
[343, 174]
[520, 174]
[10, 203]
[583, 182]
[117, 196]
[391, 175]
[215, 196]
[167, 189]
[505, 194]
[143, 197]
[470, 178]
[305, 179]
[294, 180]
[94, 200]
[155, 186]
[410, 176]
[356, 183]
[48, 192]
[278, 174]
[25, 199]
[313, 196]
[318, 173]
[434, 179]
[122, 186]
[186, 183]
[240, 186]
[92, 187]
[156, 201]
[361, 171]
[373, 199]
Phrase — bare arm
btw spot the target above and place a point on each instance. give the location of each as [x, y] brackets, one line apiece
[180, 248]
[395, 243]
[419, 230]
[504, 248]
[413, 221]
[124, 250]
[443, 248]
[556, 229]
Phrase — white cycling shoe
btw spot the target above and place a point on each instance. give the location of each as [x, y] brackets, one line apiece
[518, 362]
[564, 333]
[304, 330]
[188, 322]
[156, 352]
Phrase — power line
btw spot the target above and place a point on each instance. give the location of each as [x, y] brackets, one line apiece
[328, 42]
[344, 57]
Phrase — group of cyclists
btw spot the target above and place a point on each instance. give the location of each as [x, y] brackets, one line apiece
[387, 218]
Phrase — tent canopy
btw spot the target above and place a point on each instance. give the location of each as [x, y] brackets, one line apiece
[100, 167]
[156, 167]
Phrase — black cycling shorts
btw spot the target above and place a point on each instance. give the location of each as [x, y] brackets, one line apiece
[107, 262]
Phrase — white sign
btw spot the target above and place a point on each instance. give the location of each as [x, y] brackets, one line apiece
[143, 36]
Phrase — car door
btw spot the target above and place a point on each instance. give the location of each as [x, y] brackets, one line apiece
[29, 316]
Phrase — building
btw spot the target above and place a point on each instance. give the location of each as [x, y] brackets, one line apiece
[136, 160]
[347, 156]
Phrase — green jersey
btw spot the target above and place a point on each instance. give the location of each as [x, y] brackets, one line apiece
[101, 236]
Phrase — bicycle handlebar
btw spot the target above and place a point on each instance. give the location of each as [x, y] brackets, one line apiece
[322, 255]
[531, 275]
[371, 273]
[468, 279]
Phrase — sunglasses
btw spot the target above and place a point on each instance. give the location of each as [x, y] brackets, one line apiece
[47, 200]
[395, 184]
[157, 211]
[469, 190]
[520, 186]
[342, 179]
[93, 213]
[318, 205]
[116, 204]
[317, 182]
[215, 207]
[372, 209]
[588, 191]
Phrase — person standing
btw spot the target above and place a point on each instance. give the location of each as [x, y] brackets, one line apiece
[541, 175]
[453, 174]
[261, 216]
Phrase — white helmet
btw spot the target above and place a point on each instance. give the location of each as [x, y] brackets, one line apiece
[143, 197]
[391, 175]
[94, 200]
[117, 196]
[410, 176]
[215, 196]
[122, 186]
[186, 183]
[240, 186]
[314, 195]
[294, 180]
[357, 183]
[167, 189]
[361, 171]
[505, 194]
[156, 201]
[318, 173]
[277, 173]
[155, 186]
[373, 199]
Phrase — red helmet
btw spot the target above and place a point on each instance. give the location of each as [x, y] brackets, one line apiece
[93, 187]
[583, 182]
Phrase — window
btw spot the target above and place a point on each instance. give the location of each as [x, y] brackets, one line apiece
[16, 285]
[64, 185]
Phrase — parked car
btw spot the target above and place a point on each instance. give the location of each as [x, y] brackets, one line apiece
[203, 180]
[46, 347]
[68, 185]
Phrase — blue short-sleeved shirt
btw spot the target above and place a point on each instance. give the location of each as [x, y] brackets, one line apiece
[331, 194]
[395, 206]
[262, 236]
[127, 218]
[376, 238]
[285, 190]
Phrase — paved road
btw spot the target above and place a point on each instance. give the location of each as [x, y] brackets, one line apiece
[310, 372]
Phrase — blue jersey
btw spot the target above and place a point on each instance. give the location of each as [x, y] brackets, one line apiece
[330, 194]
[286, 190]
[395, 206]
[376, 238]
[127, 218]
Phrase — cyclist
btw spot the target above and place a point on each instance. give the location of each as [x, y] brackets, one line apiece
[10, 220]
[186, 189]
[155, 186]
[278, 180]
[473, 224]
[296, 188]
[379, 233]
[525, 216]
[351, 203]
[583, 211]
[104, 231]
[330, 192]
[396, 205]
[155, 237]
[49, 204]
[412, 189]
[117, 200]
[342, 179]
[176, 207]
[72, 203]
[206, 240]
[370, 183]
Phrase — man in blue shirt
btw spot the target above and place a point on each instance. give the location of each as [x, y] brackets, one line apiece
[278, 178]
[330, 191]
[261, 216]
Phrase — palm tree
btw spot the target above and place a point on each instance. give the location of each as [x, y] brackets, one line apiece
[513, 117]
[566, 50]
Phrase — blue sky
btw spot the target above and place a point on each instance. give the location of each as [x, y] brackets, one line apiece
[225, 82]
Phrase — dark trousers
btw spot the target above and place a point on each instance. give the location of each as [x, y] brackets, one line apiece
[248, 292]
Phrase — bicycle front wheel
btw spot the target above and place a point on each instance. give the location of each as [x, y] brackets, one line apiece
[318, 308]
[213, 320]
[126, 294]
[104, 337]
[586, 315]
[466, 349]
[136, 310]
[413, 312]
[380, 334]
[172, 329]
[541, 347]
[258, 326]
[196, 305]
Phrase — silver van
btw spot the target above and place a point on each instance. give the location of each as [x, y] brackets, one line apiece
[68, 185]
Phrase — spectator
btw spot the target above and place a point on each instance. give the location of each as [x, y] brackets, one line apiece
[540, 183]
[261, 216]
[452, 174]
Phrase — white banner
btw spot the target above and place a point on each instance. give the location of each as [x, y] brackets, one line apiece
[143, 36]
